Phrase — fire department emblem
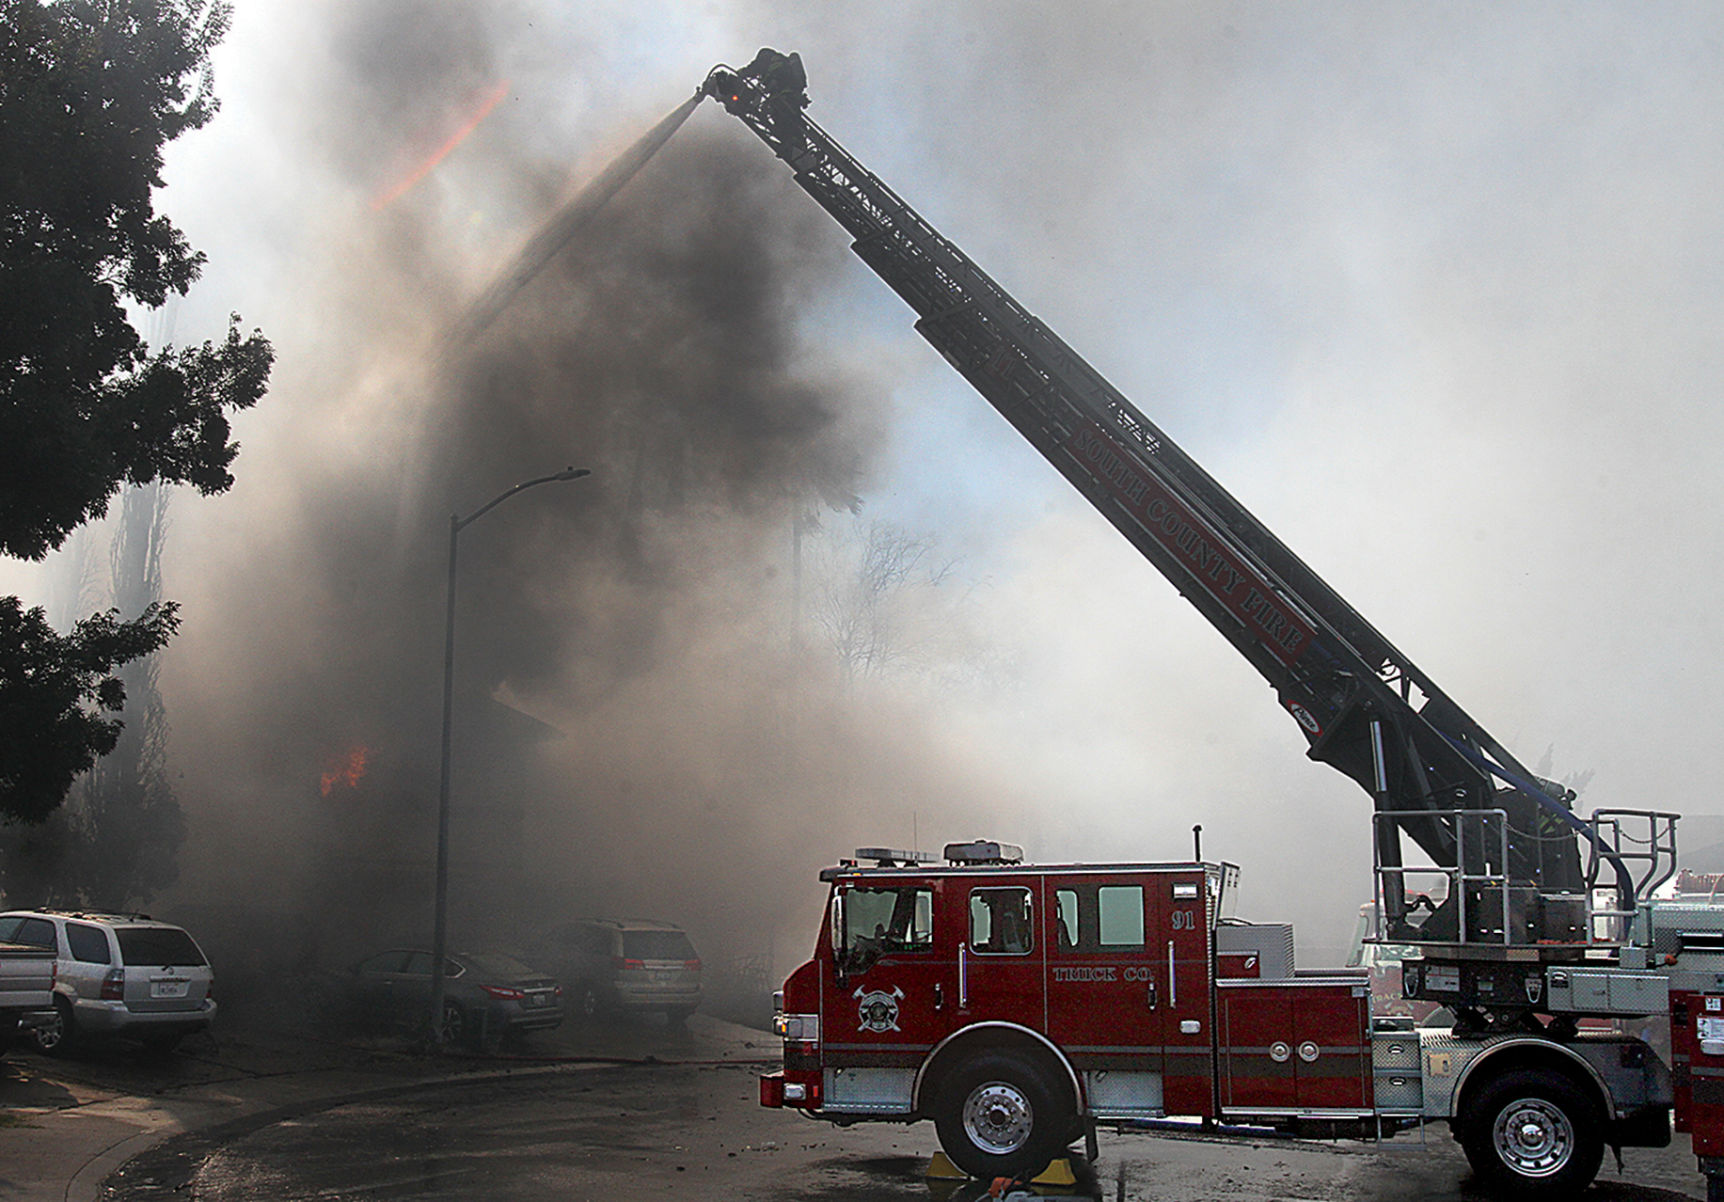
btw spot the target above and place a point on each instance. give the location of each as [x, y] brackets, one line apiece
[878, 1010]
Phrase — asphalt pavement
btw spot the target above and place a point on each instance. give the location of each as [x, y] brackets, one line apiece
[68, 1124]
[676, 1119]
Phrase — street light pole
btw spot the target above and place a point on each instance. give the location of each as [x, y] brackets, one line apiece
[440, 927]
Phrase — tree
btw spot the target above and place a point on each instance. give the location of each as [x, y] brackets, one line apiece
[114, 843]
[90, 93]
[868, 599]
[52, 690]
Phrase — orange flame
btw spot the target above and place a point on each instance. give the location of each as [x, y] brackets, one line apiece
[348, 770]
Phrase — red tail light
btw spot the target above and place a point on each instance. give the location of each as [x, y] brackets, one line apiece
[691, 965]
[114, 986]
[625, 962]
[505, 993]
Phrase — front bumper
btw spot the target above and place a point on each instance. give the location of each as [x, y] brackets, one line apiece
[791, 1090]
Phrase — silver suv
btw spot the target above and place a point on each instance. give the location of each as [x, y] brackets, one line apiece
[607, 965]
[119, 974]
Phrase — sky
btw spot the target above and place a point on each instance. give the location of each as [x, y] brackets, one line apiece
[1432, 288]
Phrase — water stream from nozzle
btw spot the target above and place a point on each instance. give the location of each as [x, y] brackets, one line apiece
[567, 222]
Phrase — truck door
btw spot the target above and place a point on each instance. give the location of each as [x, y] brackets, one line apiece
[1182, 947]
[1107, 994]
[1001, 959]
[890, 996]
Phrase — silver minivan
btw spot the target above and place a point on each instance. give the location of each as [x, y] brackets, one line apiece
[125, 975]
[624, 966]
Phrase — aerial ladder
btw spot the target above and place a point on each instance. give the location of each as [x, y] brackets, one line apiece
[1521, 880]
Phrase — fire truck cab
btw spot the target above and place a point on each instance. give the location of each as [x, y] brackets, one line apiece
[1017, 1005]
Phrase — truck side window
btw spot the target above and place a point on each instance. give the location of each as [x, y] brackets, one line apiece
[1067, 902]
[1121, 908]
[1001, 921]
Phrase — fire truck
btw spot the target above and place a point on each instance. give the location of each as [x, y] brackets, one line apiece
[1019, 1005]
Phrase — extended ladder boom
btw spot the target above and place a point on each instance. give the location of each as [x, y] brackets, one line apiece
[1365, 708]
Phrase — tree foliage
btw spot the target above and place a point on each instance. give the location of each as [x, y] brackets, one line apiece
[91, 91]
[114, 843]
[54, 692]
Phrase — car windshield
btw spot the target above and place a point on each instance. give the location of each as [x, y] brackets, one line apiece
[158, 945]
[498, 967]
[657, 945]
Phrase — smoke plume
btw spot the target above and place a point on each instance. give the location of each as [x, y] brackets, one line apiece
[640, 727]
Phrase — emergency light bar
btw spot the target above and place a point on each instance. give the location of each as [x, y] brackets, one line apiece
[886, 857]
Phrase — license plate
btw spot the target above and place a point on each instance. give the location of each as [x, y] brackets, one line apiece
[169, 988]
[536, 999]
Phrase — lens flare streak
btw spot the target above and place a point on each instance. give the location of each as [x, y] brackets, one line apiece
[400, 188]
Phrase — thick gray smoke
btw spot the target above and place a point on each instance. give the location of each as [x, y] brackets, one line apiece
[1431, 289]
[640, 727]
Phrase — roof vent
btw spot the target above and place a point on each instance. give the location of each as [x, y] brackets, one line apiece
[984, 851]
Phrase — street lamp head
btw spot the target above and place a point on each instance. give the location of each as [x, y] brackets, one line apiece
[572, 473]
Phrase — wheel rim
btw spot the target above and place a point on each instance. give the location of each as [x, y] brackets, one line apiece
[1533, 1137]
[998, 1118]
[451, 1024]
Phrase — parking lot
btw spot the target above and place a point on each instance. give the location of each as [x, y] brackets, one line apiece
[614, 1110]
[74, 1118]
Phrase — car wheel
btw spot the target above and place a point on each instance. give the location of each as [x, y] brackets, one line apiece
[589, 1002]
[454, 1025]
[56, 1035]
[1533, 1134]
[998, 1116]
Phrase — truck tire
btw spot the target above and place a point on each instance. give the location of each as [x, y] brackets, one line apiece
[998, 1115]
[1533, 1134]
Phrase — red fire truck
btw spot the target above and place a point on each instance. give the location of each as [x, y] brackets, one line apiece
[1018, 1005]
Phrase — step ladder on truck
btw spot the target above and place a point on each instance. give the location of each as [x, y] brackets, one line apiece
[1017, 1005]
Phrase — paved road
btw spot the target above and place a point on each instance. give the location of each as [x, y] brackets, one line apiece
[67, 1123]
[672, 1131]
[629, 1111]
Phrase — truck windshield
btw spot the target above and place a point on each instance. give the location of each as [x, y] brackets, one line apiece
[885, 922]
